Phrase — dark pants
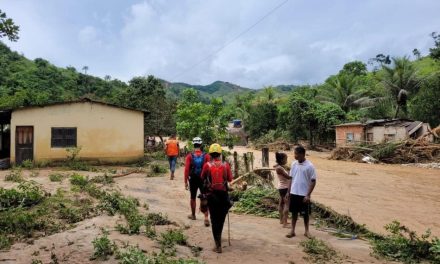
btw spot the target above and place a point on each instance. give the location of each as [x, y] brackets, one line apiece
[218, 203]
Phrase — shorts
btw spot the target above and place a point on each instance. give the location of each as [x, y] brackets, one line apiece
[283, 192]
[297, 205]
[172, 160]
[195, 183]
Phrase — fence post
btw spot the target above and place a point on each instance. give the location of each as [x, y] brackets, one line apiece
[265, 157]
[246, 162]
[236, 165]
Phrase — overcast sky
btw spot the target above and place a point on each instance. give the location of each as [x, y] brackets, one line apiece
[302, 42]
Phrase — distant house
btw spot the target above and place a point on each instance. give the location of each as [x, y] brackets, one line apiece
[376, 131]
[105, 132]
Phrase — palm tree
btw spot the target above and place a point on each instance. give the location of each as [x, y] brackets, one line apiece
[85, 69]
[400, 81]
[344, 92]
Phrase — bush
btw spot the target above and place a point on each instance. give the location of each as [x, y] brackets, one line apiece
[5, 242]
[27, 164]
[15, 175]
[405, 245]
[56, 177]
[28, 194]
[133, 256]
[158, 169]
[79, 180]
[104, 179]
[171, 237]
[116, 202]
[103, 248]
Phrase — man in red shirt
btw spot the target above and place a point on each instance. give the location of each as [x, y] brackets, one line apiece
[217, 174]
[194, 163]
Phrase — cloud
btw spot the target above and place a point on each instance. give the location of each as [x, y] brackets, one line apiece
[302, 42]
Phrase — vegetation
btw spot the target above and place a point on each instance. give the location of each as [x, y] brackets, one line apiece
[257, 201]
[405, 245]
[15, 175]
[8, 28]
[133, 255]
[158, 168]
[103, 247]
[319, 252]
[56, 177]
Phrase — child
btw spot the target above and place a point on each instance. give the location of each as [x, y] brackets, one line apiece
[303, 182]
[284, 181]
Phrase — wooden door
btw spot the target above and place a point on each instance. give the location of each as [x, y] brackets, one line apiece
[24, 143]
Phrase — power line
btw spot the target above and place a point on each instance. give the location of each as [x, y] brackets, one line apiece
[232, 40]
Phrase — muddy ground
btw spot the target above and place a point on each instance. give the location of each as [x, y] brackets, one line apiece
[371, 194]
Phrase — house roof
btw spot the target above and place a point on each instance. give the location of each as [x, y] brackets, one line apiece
[410, 126]
[82, 100]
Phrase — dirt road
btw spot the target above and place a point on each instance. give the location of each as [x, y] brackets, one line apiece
[376, 194]
[254, 239]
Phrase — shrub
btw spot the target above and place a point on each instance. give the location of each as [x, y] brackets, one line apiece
[56, 177]
[103, 247]
[158, 169]
[405, 245]
[79, 180]
[172, 237]
[27, 164]
[5, 242]
[104, 179]
[133, 256]
[116, 202]
[15, 175]
[28, 194]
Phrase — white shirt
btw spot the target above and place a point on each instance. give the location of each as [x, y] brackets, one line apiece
[302, 175]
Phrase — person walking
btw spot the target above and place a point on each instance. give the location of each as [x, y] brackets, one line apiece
[303, 183]
[284, 181]
[194, 162]
[172, 152]
[216, 175]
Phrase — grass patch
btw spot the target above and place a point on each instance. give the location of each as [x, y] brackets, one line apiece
[169, 239]
[319, 252]
[158, 168]
[79, 180]
[406, 246]
[103, 247]
[15, 175]
[5, 242]
[134, 255]
[56, 177]
[257, 201]
[103, 179]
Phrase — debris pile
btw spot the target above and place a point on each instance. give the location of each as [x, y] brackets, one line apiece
[275, 146]
[407, 151]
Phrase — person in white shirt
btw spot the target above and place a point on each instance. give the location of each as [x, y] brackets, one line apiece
[303, 182]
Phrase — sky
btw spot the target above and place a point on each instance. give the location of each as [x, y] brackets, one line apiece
[238, 41]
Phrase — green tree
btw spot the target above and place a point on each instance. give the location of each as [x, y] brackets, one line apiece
[425, 105]
[401, 81]
[262, 118]
[435, 51]
[207, 121]
[8, 28]
[354, 68]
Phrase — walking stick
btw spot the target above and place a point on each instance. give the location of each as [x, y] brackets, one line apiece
[229, 231]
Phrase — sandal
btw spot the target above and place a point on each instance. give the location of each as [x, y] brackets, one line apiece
[207, 224]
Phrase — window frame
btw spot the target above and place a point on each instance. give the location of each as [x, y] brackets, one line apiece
[347, 139]
[67, 139]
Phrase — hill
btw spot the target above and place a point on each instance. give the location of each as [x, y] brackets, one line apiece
[224, 90]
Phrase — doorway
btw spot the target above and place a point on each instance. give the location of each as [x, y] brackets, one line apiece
[24, 144]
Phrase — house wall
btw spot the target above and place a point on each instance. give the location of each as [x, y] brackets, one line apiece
[105, 133]
[341, 134]
[380, 132]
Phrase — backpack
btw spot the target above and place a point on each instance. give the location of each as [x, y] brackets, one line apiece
[172, 147]
[197, 164]
[214, 171]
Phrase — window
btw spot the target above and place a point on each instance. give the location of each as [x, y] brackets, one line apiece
[370, 138]
[349, 137]
[390, 137]
[63, 137]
